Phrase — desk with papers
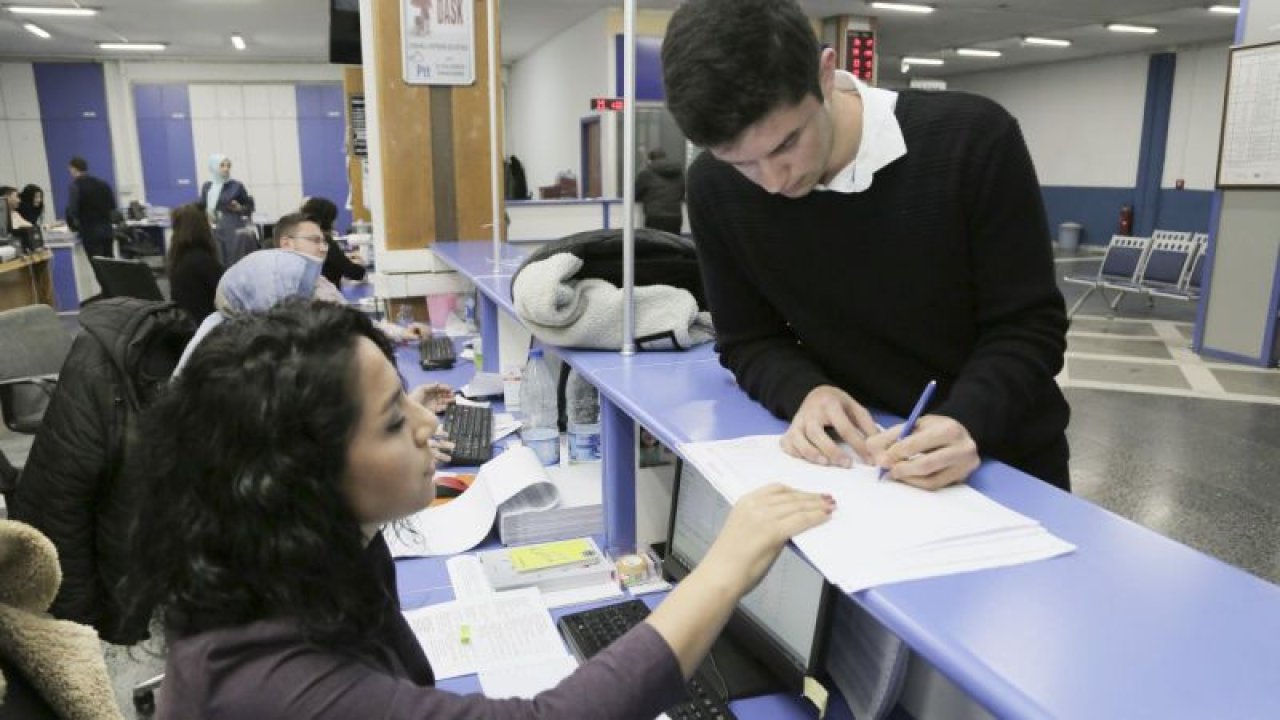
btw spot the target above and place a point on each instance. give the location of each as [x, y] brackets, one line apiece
[1131, 624]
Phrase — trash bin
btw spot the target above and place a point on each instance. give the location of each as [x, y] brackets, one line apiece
[1069, 235]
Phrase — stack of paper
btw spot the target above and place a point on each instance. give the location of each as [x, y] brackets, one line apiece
[882, 531]
[535, 504]
[569, 507]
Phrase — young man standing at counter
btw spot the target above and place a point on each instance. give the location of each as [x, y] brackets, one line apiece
[857, 243]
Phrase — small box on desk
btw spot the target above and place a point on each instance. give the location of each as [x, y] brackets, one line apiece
[549, 566]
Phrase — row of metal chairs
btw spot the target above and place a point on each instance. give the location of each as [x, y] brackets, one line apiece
[1168, 264]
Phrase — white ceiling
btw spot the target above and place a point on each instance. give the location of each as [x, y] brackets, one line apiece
[297, 30]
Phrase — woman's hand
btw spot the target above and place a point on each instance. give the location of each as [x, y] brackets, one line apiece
[436, 397]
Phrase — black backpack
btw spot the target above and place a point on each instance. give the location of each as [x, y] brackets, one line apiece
[660, 258]
[76, 486]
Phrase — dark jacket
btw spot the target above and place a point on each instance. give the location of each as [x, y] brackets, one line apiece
[660, 187]
[90, 205]
[266, 670]
[76, 487]
[194, 281]
[231, 190]
[337, 265]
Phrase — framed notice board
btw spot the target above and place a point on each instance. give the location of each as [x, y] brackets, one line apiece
[1249, 147]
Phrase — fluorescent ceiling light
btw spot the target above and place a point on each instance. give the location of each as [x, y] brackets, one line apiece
[141, 47]
[903, 7]
[922, 61]
[1137, 29]
[64, 11]
[237, 41]
[1225, 9]
[37, 30]
[978, 52]
[1046, 42]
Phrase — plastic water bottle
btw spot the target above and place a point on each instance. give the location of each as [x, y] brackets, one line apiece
[469, 310]
[583, 410]
[538, 405]
[404, 316]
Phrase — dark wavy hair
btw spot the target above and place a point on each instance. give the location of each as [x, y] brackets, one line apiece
[321, 211]
[191, 232]
[242, 515]
[728, 63]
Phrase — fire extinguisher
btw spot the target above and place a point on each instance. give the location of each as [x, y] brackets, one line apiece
[1126, 219]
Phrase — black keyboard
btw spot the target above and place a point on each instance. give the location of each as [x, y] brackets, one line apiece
[471, 430]
[590, 631]
[436, 353]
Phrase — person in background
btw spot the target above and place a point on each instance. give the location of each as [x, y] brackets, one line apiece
[192, 264]
[336, 263]
[31, 204]
[229, 207]
[9, 205]
[91, 202]
[275, 463]
[660, 188]
[857, 242]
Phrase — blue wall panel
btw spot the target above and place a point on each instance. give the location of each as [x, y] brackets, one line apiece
[73, 116]
[1096, 208]
[1185, 210]
[1155, 139]
[165, 143]
[648, 68]
[322, 142]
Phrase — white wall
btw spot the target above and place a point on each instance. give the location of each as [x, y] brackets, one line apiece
[549, 93]
[1195, 119]
[22, 154]
[1082, 120]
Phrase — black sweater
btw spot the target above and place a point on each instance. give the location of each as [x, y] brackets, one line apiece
[942, 270]
[194, 281]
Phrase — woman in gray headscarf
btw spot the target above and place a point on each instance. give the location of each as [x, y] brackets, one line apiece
[230, 208]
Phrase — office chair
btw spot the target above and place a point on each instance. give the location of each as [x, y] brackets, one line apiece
[126, 278]
[36, 344]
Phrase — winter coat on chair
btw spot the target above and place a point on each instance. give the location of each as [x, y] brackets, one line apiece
[48, 668]
[75, 487]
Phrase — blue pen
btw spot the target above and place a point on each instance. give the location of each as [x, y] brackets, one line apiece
[914, 416]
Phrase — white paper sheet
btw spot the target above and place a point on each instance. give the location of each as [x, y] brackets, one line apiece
[503, 628]
[527, 678]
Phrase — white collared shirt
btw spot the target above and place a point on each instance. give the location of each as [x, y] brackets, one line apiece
[881, 143]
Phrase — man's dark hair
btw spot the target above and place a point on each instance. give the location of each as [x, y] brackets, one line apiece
[242, 515]
[79, 163]
[287, 224]
[728, 63]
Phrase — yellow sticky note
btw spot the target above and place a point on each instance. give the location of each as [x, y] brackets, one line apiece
[552, 554]
[464, 634]
[817, 694]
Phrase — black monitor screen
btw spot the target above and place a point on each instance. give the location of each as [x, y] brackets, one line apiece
[344, 32]
[783, 619]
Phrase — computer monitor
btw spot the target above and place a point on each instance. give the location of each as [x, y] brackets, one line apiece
[782, 623]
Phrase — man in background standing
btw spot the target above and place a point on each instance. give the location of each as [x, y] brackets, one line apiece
[660, 187]
[89, 209]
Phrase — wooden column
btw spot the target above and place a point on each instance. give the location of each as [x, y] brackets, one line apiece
[434, 144]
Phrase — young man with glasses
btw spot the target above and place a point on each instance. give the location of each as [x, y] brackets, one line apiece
[857, 243]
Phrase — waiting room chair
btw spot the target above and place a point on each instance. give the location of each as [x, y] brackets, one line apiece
[1121, 267]
[36, 343]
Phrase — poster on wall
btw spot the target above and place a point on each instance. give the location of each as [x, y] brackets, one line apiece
[1249, 148]
[438, 41]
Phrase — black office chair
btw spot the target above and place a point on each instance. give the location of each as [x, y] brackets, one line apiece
[126, 278]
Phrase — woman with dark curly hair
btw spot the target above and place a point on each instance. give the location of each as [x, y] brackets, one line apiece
[276, 457]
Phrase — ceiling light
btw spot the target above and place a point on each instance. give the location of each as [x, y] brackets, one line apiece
[1137, 29]
[237, 41]
[37, 30]
[1046, 42]
[978, 52]
[65, 11]
[1225, 9]
[903, 7]
[140, 47]
[922, 61]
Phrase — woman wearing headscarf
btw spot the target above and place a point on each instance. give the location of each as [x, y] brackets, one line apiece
[229, 206]
[31, 204]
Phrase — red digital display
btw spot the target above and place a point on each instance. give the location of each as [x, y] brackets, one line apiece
[607, 104]
[860, 54]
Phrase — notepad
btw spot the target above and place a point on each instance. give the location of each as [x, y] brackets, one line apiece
[552, 554]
